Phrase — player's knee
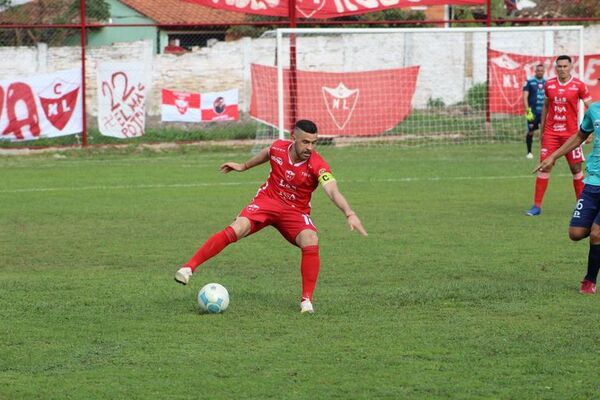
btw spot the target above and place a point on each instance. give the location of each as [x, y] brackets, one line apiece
[307, 238]
[241, 227]
[595, 236]
[576, 233]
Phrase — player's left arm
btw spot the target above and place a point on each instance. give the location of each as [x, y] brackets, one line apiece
[330, 186]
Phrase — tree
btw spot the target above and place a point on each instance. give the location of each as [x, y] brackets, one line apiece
[46, 12]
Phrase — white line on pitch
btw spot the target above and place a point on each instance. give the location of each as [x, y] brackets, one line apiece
[209, 184]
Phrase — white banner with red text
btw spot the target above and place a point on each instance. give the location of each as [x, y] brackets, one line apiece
[40, 106]
[122, 99]
[363, 103]
[509, 71]
[321, 9]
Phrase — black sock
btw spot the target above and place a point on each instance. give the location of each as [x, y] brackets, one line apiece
[593, 263]
[529, 141]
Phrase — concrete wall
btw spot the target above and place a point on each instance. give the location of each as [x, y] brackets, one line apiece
[450, 63]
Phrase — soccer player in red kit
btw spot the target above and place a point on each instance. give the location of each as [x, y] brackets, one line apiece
[284, 203]
[559, 123]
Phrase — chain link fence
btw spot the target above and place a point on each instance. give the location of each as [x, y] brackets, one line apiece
[127, 71]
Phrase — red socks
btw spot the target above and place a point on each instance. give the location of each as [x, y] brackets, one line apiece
[541, 184]
[309, 267]
[212, 247]
[578, 184]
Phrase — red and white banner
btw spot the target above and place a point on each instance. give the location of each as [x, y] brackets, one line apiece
[41, 106]
[509, 71]
[321, 9]
[122, 99]
[180, 106]
[220, 106]
[348, 103]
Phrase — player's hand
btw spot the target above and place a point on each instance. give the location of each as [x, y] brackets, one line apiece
[545, 166]
[354, 223]
[529, 115]
[231, 166]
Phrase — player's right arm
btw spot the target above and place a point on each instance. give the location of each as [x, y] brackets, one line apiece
[259, 158]
[543, 117]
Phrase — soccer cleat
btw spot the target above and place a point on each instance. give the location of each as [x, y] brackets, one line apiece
[587, 287]
[533, 211]
[529, 156]
[306, 307]
[183, 275]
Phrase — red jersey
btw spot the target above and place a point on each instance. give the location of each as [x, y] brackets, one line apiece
[291, 183]
[563, 104]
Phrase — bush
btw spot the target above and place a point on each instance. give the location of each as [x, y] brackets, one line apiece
[476, 97]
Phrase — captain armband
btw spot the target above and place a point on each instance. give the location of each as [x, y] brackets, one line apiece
[325, 178]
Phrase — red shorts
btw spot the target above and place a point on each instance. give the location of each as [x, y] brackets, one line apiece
[289, 221]
[551, 143]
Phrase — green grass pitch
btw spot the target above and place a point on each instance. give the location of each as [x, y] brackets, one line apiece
[454, 293]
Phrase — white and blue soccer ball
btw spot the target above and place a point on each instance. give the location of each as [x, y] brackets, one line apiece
[213, 298]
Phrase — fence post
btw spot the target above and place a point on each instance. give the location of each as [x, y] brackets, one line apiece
[83, 94]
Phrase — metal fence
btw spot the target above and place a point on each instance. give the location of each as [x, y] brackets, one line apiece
[181, 47]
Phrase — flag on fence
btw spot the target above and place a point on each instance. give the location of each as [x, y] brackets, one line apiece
[122, 99]
[348, 103]
[220, 106]
[180, 106]
[41, 106]
[508, 72]
[320, 9]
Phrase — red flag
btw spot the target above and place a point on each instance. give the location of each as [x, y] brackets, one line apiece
[348, 103]
[180, 106]
[220, 106]
[320, 9]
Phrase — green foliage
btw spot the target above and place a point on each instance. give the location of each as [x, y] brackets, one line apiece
[435, 103]
[445, 299]
[476, 96]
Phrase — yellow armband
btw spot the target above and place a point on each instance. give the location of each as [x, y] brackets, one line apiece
[325, 178]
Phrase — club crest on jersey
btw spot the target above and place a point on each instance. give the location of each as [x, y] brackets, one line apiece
[289, 175]
[58, 101]
[340, 102]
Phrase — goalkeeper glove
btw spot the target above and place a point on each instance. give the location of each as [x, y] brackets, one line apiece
[529, 115]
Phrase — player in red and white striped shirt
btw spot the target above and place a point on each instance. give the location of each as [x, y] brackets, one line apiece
[284, 203]
[559, 123]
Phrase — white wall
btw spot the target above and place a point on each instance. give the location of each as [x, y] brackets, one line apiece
[450, 63]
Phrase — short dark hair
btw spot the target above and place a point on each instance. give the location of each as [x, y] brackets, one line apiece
[564, 57]
[306, 126]
[539, 65]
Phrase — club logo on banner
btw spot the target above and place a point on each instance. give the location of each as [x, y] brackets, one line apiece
[508, 73]
[321, 9]
[41, 106]
[340, 102]
[220, 106]
[180, 106]
[122, 99]
[349, 103]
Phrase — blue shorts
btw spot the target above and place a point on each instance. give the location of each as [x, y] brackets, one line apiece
[587, 209]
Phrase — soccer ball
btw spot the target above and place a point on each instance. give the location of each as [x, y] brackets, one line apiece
[213, 298]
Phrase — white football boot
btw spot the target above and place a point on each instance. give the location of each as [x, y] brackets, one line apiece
[183, 275]
[306, 307]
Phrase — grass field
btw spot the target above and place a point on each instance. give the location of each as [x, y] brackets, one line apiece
[454, 293]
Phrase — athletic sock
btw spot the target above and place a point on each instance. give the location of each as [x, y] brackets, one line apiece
[309, 268]
[213, 246]
[541, 184]
[593, 263]
[529, 141]
[578, 184]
